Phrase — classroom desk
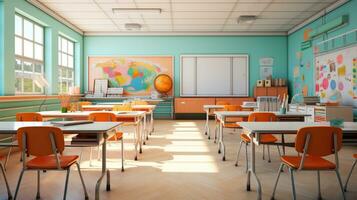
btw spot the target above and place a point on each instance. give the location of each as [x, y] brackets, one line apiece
[255, 129]
[138, 116]
[208, 109]
[222, 115]
[98, 128]
[109, 107]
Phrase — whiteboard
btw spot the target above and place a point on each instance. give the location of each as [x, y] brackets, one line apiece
[214, 75]
[336, 76]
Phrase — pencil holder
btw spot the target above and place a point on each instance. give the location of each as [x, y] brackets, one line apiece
[64, 109]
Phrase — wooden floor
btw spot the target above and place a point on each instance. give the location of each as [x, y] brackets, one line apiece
[179, 162]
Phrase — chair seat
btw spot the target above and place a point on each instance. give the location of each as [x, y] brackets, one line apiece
[231, 125]
[355, 155]
[310, 162]
[118, 136]
[49, 162]
[234, 119]
[126, 119]
[266, 138]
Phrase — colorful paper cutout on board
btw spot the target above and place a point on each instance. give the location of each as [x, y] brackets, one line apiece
[303, 77]
[298, 55]
[333, 84]
[305, 90]
[332, 66]
[341, 71]
[296, 71]
[354, 77]
[341, 86]
[339, 59]
[325, 83]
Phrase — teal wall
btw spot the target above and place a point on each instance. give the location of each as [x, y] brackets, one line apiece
[53, 28]
[306, 62]
[255, 46]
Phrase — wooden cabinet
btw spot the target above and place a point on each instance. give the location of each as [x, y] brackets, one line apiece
[270, 91]
[192, 105]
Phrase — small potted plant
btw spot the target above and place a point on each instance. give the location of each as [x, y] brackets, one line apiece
[65, 100]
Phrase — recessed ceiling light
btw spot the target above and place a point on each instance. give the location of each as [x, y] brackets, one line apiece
[137, 10]
[132, 26]
[246, 19]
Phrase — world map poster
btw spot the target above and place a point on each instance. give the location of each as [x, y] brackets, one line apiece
[135, 74]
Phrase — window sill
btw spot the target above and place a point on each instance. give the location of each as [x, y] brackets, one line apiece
[30, 97]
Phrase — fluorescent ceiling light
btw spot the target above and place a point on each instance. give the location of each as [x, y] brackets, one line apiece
[132, 26]
[137, 10]
[246, 19]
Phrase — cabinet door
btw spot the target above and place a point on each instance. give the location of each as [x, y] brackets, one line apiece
[192, 105]
[260, 91]
[272, 91]
[281, 91]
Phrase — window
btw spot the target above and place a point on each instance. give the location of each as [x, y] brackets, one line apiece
[65, 64]
[29, 56]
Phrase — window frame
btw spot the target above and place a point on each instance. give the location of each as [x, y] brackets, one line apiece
[70, 82]
[22, 58]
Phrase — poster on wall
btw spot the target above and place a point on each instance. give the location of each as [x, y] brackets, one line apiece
[135, 74]
[335, 75]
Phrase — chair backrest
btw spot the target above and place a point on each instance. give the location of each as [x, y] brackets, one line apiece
[320, 142]
[124, 107]
[232, 107]
[262, 117]
[222, 103]
[139, 103]
[102, 117]
[28, 117]
[36, 140]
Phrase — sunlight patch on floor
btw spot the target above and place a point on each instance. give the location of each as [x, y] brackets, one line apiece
[191, 164]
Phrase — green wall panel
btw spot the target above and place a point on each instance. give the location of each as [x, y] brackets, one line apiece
[255, 46]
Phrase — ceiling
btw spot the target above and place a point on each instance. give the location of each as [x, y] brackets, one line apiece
[190, 16]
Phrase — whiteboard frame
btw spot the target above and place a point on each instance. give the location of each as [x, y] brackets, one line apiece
[214, 55]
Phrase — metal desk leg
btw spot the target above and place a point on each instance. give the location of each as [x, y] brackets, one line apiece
[105, 171]
[142, 132]
[136, 138]
[251, 170]
[207, 124]
[152, 122]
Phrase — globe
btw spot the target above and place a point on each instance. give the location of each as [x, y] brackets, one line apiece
[163, 83]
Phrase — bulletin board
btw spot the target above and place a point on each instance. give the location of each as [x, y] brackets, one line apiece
[135, 74]
[336, 76]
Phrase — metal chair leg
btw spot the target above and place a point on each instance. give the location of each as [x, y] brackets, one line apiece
[6, 183]
[90, 156]
[269, 160]
[319, 185]
[349, 175]
[122, 154]
[277, 180]
[18, 183]
[340, 182]
[263, 151]
[82, 181]
[246, 158]
[98, 153]
[292, 183]
[38, 196]
[7, 158]
[240, 146]
[66, 184]
[277, 146]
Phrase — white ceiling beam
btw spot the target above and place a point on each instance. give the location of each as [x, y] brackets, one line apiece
[188, 33]
[318, 15]
[53, 14]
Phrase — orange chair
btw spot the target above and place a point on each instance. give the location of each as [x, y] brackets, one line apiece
[314, 143]
[23, 117]
[109, 117]
[265, 139]
[28, 117]
[349, 175]
[46, 144]
[9, 195]
[229, 122]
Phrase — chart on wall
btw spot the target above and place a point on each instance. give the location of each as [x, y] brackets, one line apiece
[133, 73]
[336, 76]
